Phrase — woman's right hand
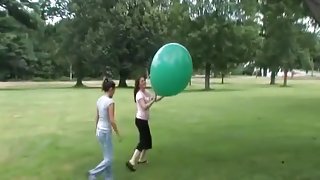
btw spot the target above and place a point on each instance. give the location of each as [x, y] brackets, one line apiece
[160, 98]
[152, 99]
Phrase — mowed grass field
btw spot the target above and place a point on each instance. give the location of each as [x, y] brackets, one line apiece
[243, 130]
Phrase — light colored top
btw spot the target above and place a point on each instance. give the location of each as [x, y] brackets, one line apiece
[102, 104]
[142, 113]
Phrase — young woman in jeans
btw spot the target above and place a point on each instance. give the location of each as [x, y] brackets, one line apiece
[144, 100]
[105, 122]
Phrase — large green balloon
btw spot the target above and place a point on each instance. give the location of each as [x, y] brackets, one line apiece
[171, 69]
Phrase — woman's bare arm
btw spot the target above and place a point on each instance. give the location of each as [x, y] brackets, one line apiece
[97, 118]
[111, 118]
[145, 105]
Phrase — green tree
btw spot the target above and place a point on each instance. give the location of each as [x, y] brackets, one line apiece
[222, 34]
[126, 36]
[16, 43]
[17, 10]
[281, 26]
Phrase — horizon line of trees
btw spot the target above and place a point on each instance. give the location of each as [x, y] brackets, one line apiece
[118, 38]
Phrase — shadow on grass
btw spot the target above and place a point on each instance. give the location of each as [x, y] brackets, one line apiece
[210, 90]
[96, 87]
[33, 88]
[57, 87]
[268, 85]
[286, 86]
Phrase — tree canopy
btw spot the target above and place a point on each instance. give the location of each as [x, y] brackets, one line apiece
[92, 39]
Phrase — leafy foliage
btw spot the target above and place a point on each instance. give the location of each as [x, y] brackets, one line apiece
[94, 37]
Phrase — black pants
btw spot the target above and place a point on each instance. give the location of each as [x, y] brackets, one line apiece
[145, 138]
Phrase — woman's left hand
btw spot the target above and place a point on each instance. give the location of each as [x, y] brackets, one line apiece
[158, 98]
[161, 97]
[151, 99]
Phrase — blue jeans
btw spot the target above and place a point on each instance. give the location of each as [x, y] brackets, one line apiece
[105, 140]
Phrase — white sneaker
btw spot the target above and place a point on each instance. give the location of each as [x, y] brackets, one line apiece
[91, 177]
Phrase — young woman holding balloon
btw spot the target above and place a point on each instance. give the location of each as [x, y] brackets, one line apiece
[171, 65]
[144, 100]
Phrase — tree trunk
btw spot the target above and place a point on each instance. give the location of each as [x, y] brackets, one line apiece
[312, 67]
[285, 77]
[265, 72]
[70, 72]
[260, 72]
[79, 82]
[15, 73]
[273, 78]
[190, 83]
[123, 82]
[79, 72]
[147, 73]
[124, 73]
[222, 78]
[207, 76]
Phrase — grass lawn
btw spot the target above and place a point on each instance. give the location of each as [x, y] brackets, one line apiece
[243, 130]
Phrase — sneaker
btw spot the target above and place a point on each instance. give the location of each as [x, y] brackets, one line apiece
[130, 166]
[143, 162]
[91, 177]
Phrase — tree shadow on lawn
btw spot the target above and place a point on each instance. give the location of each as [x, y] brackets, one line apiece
[58, 87]
[188, 90]
[221, 89]
[33, 88]
[210, 90]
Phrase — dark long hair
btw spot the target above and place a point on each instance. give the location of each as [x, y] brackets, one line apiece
[136, 87]
[107, 84]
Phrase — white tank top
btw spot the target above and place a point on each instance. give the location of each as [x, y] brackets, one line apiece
[102, 104]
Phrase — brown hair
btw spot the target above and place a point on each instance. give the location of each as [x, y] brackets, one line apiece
[107, 84]
[136, 87]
